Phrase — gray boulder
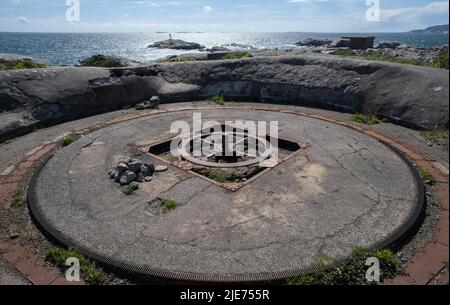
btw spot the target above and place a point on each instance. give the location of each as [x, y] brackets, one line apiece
[135, 166]
[122, 167]
[148, 170]
[134, 186]
[140, 177]
[127, 178]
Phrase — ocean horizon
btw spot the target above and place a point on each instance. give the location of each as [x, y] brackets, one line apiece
[70, 48]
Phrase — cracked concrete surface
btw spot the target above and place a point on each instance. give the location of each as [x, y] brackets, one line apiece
[346, 190]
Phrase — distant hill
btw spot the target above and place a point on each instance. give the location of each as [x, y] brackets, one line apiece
[433, 30]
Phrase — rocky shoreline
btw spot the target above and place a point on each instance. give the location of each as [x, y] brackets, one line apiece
[408, 95]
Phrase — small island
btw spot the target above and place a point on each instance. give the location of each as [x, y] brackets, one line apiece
[176, 44]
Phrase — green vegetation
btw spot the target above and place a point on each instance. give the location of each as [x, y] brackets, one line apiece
[168, 205]
[18, 199]
[103, 61]
[175, 58]
[89, 270]
[68, 140]
[368, 119]
[19, 64]
[218, 99]
[237, 55]
[354, 271]
[442, 60]
[129, 191]
[439, 137]
[427, 177]
[8, 142]
[217, 175]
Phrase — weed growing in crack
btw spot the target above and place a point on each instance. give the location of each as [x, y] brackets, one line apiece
[68, 140]
[218, 99]
[18, 199]
[89, 270]
[168, 205]
[368, 119]
[427, 177]
[353, 272]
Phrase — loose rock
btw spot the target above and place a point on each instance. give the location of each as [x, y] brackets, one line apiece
[131, 170]
[122, 168]
[135, 166]
[161, 168]
[113, 174]
[140, 177]
[134, 186]
[127, 178]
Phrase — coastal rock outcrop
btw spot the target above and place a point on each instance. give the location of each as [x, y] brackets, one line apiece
[176, 44]
[314, 42]
[409, 95]
[107, 61]
[388, 45]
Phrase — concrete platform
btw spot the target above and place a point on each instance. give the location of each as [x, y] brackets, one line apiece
[347, 190]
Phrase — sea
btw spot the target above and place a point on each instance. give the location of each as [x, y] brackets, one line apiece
[70, 48]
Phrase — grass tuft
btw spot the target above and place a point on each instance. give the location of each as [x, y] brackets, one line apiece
[237, 55]
[18, 199]
[368, 119]
[218, 99]
[442, 60]
[168, 205]
[427, 177]
[68, 140]
[129, 191]
[175, 58]
[89, 270]
[217, 175]
[354, 272]
[439, 137]
[19, 64]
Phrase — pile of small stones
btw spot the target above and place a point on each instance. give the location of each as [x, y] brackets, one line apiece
[131, 172]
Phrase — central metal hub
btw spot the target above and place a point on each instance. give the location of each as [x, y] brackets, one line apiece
[226, 149]
[229, 157]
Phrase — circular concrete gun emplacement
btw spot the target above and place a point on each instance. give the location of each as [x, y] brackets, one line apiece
[332, 189]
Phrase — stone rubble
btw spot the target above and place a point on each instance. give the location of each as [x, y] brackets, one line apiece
[130, 172]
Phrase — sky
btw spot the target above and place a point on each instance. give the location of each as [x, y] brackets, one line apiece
[221, 15]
